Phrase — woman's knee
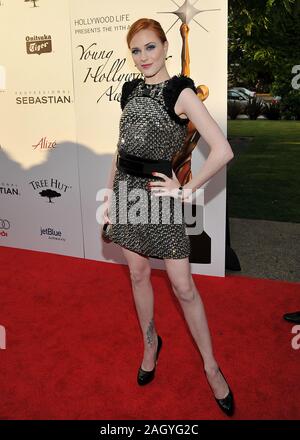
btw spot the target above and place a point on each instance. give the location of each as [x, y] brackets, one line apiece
[140, 273]
[184, 290]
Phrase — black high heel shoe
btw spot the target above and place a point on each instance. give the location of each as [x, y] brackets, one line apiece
[145, 377]
[226, 404]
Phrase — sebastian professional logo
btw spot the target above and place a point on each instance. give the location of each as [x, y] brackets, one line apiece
[9, 189]
[25, 97]
[38, 44]
[49, 188]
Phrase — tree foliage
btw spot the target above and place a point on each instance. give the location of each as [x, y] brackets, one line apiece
[263, 40]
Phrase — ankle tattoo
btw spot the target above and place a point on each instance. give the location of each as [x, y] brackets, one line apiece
[150, 332]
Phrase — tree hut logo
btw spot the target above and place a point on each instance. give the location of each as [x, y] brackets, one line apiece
[49, 189]
[38, 44]
[34, 2]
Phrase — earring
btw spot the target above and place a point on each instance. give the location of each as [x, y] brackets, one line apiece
[170, 56]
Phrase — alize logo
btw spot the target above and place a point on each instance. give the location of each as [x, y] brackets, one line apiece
[43, 144]
[32, 1]
[38, 44]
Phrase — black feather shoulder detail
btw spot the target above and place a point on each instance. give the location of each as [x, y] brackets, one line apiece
[127, 88]
[171, 92]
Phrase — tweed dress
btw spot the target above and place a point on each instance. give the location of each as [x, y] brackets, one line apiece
[150, 225]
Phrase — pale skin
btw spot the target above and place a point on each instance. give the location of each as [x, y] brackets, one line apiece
[147, 48]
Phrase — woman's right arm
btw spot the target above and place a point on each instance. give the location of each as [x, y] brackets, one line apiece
[111, 175]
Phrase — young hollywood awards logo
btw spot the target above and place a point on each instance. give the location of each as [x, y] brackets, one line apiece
[49, 189]
[38, 44]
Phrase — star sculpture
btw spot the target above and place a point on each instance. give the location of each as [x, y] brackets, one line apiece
[186, 12]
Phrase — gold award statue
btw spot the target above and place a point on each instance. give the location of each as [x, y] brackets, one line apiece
[182, 160]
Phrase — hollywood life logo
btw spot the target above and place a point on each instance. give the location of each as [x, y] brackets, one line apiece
[9, 189]
[44, 144]
[52, 234]
[38, 44]
[4, 227]
[49, 188]
[43, 97]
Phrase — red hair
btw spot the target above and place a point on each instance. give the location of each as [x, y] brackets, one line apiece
[146, 23]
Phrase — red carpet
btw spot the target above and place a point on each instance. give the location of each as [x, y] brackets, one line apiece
[74, 344]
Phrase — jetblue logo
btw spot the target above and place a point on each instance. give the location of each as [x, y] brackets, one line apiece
[52, 234]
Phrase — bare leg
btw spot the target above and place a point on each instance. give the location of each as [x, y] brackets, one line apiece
[140, 271]
[189, 298]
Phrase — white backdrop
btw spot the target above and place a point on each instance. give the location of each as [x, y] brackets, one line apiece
[62, 66]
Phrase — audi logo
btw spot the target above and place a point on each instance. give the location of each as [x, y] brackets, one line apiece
[4, 224]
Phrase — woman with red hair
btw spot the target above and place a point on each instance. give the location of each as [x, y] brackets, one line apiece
[153, 127]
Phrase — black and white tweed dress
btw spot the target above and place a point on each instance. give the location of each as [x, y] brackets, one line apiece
[149, 128]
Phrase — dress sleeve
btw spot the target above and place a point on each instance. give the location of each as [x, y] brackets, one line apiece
[172, 92]
[127, 88]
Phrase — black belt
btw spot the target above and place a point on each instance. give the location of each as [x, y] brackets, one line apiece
[142, 167]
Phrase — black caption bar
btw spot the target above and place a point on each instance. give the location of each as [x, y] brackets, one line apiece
[140, 429]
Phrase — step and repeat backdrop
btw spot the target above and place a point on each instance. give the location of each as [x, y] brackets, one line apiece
[62, 66]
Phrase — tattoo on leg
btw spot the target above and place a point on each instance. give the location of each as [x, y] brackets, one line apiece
[150, 332]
